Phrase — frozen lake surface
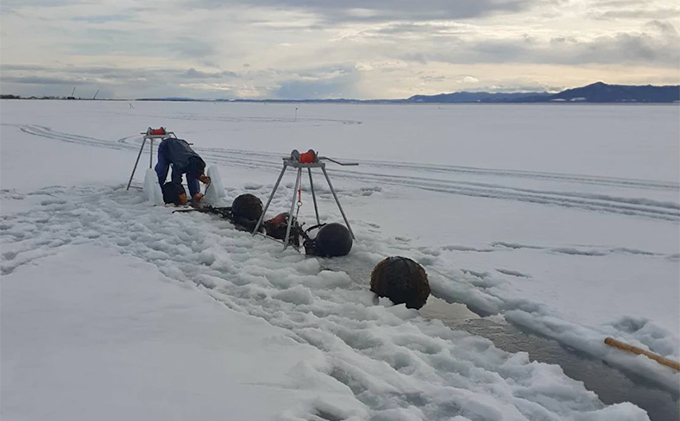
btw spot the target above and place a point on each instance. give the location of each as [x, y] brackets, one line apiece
[561, 219]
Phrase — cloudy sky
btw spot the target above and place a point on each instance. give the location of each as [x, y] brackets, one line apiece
[331, 48]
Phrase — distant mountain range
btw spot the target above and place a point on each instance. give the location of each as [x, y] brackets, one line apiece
[486, 97]
[596, 93]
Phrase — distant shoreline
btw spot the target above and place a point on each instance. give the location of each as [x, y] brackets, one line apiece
[596, 93]
[359, 102]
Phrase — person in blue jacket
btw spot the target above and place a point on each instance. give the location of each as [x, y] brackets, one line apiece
[184, 160]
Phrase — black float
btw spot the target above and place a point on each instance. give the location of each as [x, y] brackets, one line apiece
[401, 280]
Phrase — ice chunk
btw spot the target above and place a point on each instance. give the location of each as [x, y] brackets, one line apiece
[214, 193]
[619, 411]
[152, 190]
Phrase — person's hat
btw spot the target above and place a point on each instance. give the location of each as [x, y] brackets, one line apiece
[196, 167]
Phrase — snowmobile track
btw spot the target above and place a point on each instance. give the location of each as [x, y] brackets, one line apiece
[632, 206]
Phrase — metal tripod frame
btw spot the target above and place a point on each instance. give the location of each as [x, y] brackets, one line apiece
[151, 138]
[289, 162]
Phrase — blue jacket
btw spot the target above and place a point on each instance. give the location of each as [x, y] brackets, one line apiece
[184, 160]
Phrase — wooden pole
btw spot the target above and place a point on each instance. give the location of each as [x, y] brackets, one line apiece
[635, 350]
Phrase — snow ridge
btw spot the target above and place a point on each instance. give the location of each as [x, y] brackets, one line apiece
[395, 364]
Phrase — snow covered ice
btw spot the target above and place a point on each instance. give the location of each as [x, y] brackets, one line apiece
[152, 189]
[214, 193]
[561, 219]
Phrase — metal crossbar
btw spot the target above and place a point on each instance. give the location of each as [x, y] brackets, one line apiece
[151, 138]
[293, 162]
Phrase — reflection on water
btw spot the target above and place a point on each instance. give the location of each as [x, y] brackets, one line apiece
[440, 309]
[611, 385]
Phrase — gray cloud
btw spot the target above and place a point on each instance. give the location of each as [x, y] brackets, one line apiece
[429, 29]
[630, 9]
[12, 67]
[316, 49]
[11, 5]
[37, 80]
[420, 58]
[103, 18]
[113, 74]
[621, 48]
[384, 10]
[639, 48]
[189, 47]
[322, 82]
[195, 74]
[330, 11]
[663, 27]
[143, 43]
[43, 3]
[342, 85]
[637, 14]
[432, 78]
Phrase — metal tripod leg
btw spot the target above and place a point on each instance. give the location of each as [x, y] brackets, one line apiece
[151, 154]
[338, 202]
[276, 186]
[311, 183]
[136, 162]
[298, 181]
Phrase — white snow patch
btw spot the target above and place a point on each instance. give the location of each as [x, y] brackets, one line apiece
[215, 194]
[152, 190]
[87, 333]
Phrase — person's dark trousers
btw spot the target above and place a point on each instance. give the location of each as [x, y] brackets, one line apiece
[194, 187]
[162, 170]
[192, 182]
[163, 165]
